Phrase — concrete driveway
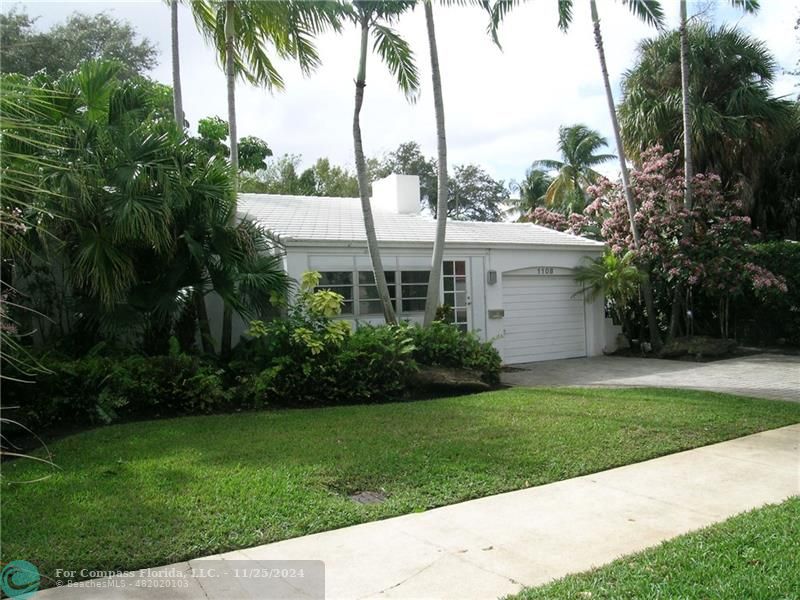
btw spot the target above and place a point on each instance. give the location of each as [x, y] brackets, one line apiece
[774, 376]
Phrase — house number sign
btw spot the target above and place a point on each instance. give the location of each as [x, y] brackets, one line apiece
[545, 270]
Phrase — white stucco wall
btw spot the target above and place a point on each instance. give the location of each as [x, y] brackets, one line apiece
[483, 297]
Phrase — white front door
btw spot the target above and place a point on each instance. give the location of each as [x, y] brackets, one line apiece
[455, 292]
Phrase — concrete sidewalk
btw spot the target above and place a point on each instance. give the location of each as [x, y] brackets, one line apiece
[496, 545]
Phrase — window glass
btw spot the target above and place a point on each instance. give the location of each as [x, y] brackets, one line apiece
[413, 290]
[369, 303]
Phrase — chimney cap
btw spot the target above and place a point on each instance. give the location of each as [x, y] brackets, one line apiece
[397, 194]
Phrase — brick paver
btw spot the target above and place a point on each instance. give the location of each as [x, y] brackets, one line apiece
[774, 376]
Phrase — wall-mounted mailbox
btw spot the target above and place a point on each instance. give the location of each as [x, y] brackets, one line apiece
[496, 313]
[491, 277]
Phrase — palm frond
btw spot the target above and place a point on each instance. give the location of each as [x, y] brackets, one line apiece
[649, 11]
[399, 58]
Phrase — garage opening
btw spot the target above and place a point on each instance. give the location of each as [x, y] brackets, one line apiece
[544, 318]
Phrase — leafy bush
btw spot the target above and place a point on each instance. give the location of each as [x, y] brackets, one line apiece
[376, 363]
[94, 390]
[310, 358]
[774, 317]
[442, 344]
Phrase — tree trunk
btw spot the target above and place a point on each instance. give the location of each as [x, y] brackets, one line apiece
[363, 184]
[434, 281]
[177, 93]
[647, 291]
[688, 167]
[206, 339]
[230, 75]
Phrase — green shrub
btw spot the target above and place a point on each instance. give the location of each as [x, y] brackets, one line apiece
[775, 317]
[311, 359]
[94, 390]
[375, 363]
[443, 344]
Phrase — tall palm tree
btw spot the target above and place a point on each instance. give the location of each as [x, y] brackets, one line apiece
[435, 277]
[651, 13]
[373, 17]
[749, 6]
[578, 145]
[734, 117]
[177, 90]
[531, 190]
[243, 33]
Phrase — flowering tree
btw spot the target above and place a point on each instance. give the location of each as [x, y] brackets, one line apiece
[711, 255]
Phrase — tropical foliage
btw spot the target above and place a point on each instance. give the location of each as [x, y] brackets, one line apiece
[711, 259]
[579, 146]
[616, 278]
[138, 225]
[531, 190]
[738, 128]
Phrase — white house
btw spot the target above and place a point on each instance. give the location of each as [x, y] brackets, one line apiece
[511, 283]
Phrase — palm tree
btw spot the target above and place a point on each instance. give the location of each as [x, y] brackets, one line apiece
[651, 13]
[138, 220]
[749, 6]
[614, 278]
[373, 17]
[432, 298]
[578, 146]
[531, 190]
[734, 118]
[177, 93]
[243, 32]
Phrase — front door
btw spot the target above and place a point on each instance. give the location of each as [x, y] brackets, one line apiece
[455, 294]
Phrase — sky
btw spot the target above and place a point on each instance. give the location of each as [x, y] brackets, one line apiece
[503, 107]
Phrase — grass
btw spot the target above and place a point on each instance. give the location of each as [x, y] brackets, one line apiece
[157, 492]
[755, 555]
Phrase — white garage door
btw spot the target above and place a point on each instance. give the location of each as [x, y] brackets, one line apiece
[543, 319]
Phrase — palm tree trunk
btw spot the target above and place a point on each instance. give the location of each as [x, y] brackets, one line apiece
[230, 75]
[206, 340]
[688, 167]
[363, 184]
[434, 280]
[177, 93]
[647, 291]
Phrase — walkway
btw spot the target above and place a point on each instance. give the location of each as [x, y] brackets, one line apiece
[493, 546]
[774, 376]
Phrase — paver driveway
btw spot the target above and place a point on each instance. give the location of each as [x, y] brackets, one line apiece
[762, 375]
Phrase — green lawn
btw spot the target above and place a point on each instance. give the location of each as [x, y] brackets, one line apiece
[755, 555]
[151, 493]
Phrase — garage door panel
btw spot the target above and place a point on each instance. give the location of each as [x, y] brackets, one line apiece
[544, 319]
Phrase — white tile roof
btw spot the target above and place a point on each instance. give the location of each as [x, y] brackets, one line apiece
[320, 219]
